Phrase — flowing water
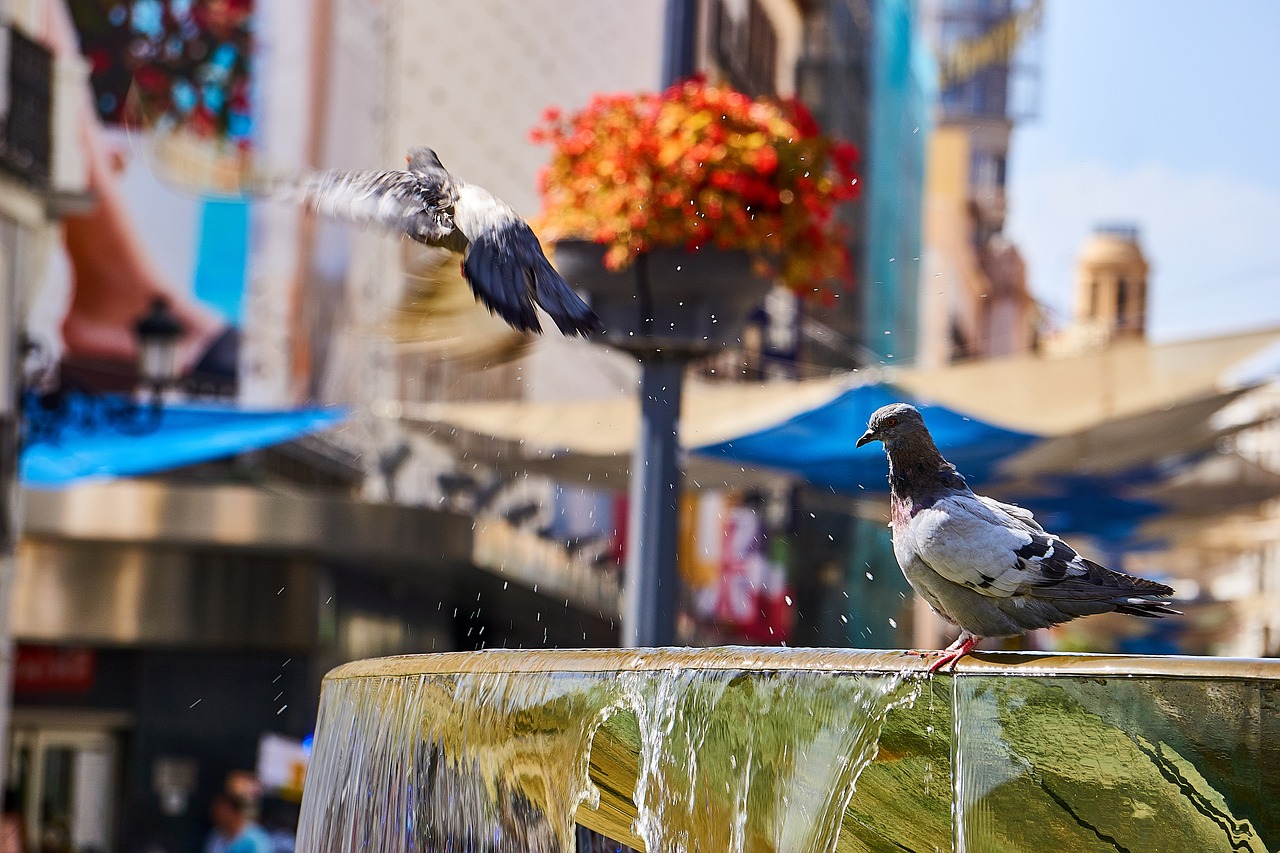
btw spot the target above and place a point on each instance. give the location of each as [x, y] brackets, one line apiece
[484, 760]
[788, 750]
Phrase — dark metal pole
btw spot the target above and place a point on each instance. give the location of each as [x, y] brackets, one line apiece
[652, 584]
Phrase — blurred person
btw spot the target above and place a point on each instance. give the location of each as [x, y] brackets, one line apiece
[13, 826]
[280, 819]
[233, 830]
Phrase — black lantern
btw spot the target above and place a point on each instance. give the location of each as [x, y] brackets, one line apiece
[158, 333]
[49, 411]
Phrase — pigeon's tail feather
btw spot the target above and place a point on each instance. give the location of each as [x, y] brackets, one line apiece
[571, 314]
[1086, 579]
[1142, 587]
[509, 272]
[1150, 608]
[499, 281]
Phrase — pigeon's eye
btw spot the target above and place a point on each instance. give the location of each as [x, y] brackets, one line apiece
[890, 422]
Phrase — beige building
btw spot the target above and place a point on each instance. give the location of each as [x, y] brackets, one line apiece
[1221, 544]
[974, 301]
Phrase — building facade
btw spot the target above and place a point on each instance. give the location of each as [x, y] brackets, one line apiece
[158, 645]
[974, 301]
[42, 174]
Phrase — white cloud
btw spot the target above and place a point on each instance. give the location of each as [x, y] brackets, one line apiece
[1211, 240]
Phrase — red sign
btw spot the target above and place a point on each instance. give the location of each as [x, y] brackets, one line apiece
[49, 669]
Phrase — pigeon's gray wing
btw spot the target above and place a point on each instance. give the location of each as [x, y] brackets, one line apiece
[437, 315]
[506, 266]
[971, 542]
[414, 203]
[1022, 514]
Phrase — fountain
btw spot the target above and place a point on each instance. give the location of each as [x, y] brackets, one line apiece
[744, 749]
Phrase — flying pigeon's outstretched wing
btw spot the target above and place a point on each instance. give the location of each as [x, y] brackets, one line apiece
[416, 204]
[502, 259]
[981, 544]
[438, 317]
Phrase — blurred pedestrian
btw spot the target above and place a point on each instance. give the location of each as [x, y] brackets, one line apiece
[13, 826]
[280, 820]
[233, 830]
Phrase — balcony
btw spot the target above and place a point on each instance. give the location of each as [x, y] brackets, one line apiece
[26, 108]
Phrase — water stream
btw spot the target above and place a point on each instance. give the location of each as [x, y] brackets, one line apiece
[728, 759]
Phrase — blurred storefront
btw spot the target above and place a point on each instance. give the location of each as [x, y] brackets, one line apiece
[164, 629]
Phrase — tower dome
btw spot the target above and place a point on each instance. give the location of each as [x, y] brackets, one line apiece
[1111, 283]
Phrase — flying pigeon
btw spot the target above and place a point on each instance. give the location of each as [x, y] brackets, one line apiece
[986, 566]
[502, 260]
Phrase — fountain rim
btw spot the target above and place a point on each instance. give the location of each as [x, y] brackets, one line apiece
[774, 659]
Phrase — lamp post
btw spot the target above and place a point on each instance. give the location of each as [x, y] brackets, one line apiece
[158, 332]
[48, 413]
[668, 307]
[652, 584]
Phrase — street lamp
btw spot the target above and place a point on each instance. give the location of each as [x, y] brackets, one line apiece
[48, 412]
[158, 332]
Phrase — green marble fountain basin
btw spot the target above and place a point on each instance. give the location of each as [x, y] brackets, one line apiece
[752, 749]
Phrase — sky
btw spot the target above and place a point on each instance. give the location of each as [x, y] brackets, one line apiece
[1166, 114]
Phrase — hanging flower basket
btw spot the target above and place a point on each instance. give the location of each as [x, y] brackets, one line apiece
[675, 212]
[680, 302]
[700, 166]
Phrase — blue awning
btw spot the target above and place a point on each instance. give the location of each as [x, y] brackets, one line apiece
[188, 434]
[819, 444]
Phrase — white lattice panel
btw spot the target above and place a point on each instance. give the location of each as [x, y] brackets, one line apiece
[475, 75]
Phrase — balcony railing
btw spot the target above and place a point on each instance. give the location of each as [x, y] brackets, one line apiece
[26, 107]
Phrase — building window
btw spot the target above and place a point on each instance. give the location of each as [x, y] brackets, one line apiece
[1122, 303]
[1093, 298]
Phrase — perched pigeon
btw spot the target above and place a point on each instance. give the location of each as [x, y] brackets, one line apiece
[986, 566]
[502, 260]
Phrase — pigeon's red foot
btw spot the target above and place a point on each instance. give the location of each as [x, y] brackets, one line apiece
[952, 653]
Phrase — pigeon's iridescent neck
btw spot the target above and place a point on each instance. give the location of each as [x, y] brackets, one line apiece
[918, 475]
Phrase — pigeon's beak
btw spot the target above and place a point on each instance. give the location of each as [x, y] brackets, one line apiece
[867, 437]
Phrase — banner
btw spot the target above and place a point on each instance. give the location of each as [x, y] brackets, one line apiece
[169, 129]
